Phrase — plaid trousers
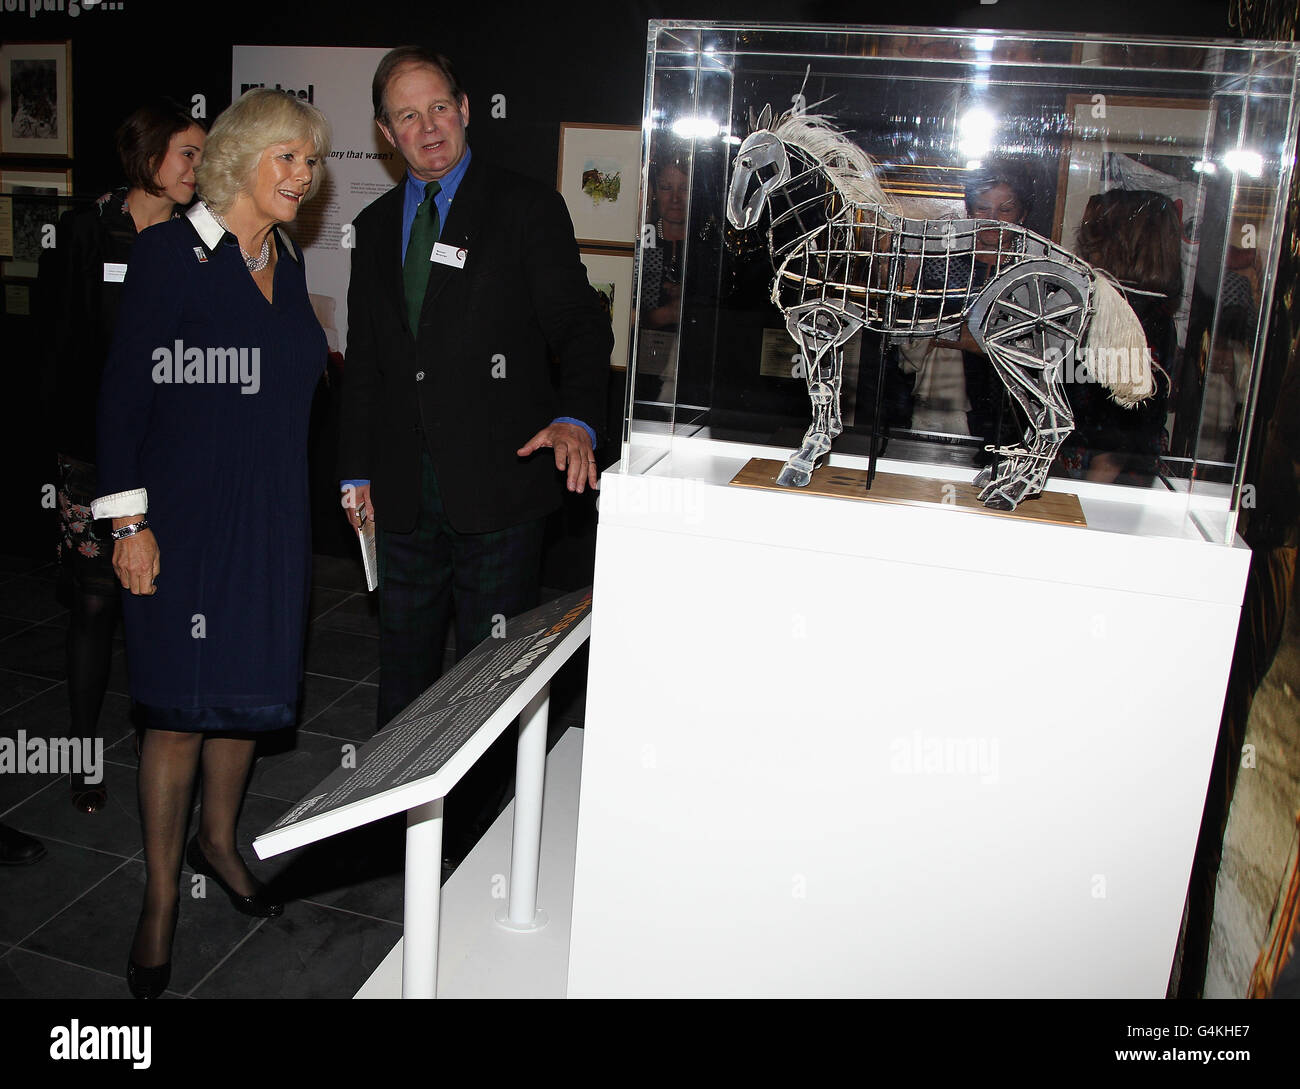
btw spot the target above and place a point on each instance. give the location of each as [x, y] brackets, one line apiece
[432, 571]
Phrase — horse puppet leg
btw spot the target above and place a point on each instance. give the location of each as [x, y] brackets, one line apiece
[820, 332]
[1037, 388]
[1029, 321]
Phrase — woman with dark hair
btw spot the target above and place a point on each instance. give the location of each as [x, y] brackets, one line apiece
[1136, 236]
[159, 147]
[203, 418]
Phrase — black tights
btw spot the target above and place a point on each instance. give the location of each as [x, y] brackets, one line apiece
[90, 653]
[169, 761]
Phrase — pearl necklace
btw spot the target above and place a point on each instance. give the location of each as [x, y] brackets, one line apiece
[254, 264]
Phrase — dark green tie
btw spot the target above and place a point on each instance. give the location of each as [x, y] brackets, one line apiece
[415, 269]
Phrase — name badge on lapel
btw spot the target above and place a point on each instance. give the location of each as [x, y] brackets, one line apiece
[448, 255]
[114, 273]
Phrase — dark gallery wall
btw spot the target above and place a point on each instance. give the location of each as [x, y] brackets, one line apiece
[568, 63]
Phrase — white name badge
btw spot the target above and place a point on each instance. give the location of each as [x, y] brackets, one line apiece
[447, 255]
[114, 273]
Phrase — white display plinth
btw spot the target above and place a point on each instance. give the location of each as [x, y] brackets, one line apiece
[848, 748]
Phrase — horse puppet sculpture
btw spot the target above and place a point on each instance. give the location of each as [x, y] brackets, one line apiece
[846, 258]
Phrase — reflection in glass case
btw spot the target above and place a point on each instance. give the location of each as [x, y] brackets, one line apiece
[1158, 167]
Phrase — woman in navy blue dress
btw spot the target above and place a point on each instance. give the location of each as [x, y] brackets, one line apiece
[203, 419]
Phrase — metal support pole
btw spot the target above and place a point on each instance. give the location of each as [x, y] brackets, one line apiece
[877, 426]
[526, 848]
[423, 896]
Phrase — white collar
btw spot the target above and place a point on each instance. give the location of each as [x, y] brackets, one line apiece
[211, 232]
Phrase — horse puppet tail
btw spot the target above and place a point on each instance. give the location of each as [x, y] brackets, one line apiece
[1116, 347]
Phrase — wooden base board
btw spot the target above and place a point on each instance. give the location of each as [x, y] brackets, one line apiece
[1059, 508]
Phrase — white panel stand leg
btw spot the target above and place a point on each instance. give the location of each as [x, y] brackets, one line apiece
[423, 893]
[521, 912]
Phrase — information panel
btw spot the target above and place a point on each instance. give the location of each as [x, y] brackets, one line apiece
[474, 701]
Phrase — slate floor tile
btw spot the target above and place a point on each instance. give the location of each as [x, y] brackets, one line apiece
[9, 624]
[341, 654]
[98, 929]
[16, 688]
[351, 717]
[48, 715]
[323, 599]
[29, 598]
[339, 573]
[357, 613]
[35, 893]
[361, 871]
[309, 952]
[318, 693]
[39, 650]
[114, 829]
[288, 775]
[29, 975]
[16, 790]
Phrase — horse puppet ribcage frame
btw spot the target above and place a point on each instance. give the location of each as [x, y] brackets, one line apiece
[845, 259]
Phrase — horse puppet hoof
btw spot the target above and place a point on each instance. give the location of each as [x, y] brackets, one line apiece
[995, 490]
[984, 476]
[794, 476]
[1005, 494]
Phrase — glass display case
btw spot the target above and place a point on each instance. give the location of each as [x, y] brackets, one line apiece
[1165, 163]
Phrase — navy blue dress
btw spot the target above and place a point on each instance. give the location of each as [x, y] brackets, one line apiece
[205, 402]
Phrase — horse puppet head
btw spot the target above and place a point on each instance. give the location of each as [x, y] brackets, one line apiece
[762, 156]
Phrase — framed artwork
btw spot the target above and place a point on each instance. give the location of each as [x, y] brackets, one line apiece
[33, 196]
[6, 226]
[599, 171]
[609, 271]
[36, 114]
[18, 298]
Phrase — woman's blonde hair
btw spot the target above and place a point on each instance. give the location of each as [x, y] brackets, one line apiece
[255, 121]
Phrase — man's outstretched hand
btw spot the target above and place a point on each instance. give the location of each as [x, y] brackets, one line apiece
[573, 453]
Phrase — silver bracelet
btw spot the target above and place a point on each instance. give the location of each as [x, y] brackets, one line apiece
[131, 530]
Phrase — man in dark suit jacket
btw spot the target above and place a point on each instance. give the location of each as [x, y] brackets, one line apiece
[448, 416]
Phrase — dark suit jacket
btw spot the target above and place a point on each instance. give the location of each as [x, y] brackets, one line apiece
[478, 381]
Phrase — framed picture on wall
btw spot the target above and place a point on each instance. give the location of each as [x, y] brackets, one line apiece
[36, 113]
[33, 196]
[609, 271]
[17, 298]
[599, 172]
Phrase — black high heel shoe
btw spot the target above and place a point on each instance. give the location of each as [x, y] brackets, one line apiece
[147, 982]
[259, 905]
[150, 982]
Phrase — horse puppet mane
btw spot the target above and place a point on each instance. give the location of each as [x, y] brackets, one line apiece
[851, 170]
